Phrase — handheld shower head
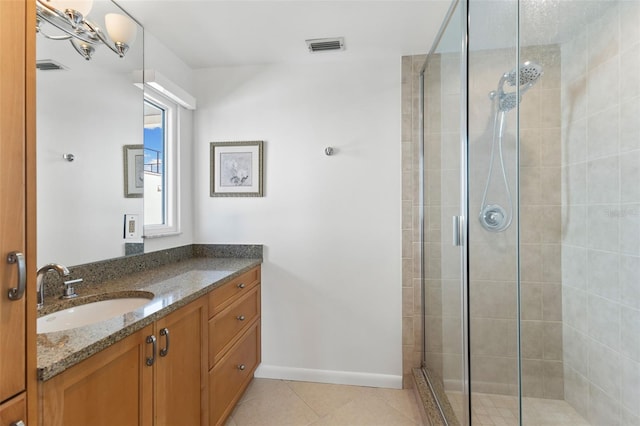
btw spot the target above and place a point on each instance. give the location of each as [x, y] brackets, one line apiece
[526, 75]
[493, 217]
[530, 72]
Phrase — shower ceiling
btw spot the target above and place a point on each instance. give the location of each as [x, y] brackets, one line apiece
[543, 22]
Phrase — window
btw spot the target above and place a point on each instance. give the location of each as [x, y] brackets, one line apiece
[161, 122]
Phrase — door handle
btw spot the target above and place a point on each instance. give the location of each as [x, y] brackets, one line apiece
[457, 230]
[16, 293]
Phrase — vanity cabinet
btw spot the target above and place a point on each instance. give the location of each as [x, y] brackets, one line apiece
[180, 372]
[17, 213]
[113, 387]
[234, 342]
[129, 383]
[188, 368]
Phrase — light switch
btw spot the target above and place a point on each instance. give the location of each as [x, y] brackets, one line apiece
[131, 227]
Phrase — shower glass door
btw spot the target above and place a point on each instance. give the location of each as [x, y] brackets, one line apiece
[440, 99]
[535, 320]
[497, 190]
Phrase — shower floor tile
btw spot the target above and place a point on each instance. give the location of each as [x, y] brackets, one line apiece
[502, 410]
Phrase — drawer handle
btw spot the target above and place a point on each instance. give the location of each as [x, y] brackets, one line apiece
[165, 351]
[241, 286]
[150, 360]
[18, 423]
[240, 318]
[241, 367]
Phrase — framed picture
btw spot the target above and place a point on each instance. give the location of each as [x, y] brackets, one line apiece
[133, 171]
[236, 169]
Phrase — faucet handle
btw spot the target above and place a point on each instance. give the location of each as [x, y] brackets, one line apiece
[69, 291]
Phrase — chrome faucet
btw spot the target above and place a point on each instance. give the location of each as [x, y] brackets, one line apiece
[60, 269]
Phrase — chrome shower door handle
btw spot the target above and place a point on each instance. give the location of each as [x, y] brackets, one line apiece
[16, 293]
[457, 230]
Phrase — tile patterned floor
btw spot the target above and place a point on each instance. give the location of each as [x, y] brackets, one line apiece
[502, 410]
[286, 403]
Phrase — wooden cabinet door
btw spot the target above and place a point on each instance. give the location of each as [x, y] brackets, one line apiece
[180, 381]
[12, 193]
[14, 411]
[113, 387]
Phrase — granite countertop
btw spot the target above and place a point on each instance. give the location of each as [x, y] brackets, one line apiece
[173, 286]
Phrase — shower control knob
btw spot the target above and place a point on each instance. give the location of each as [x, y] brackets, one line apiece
[494, 218]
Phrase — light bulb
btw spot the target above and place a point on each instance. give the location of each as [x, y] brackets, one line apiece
[81, 6]
[120, 28]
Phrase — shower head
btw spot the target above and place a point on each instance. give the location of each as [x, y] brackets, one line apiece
[507, 101]
[526, 76]
[530, 72]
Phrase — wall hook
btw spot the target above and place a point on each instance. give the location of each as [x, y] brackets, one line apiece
[69, 157]
[329, 151]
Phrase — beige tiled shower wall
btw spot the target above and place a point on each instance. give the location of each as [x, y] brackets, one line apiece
[494, 256]
[443, 336]
[601, 216]
[411, 252]
[493, 261]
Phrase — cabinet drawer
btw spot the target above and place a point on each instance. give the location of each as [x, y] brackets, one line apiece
[231, 322]
[14, 410]
[229, 378]
[222, 296]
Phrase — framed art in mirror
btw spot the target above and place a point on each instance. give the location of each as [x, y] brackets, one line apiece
[133, 171]
[236, 169]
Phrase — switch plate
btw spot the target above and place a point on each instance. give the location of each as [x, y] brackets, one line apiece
[131, 227]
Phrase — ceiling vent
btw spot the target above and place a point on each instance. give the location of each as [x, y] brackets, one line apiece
[325, 44]
[49, 65]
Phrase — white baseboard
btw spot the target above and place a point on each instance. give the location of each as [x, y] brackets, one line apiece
[329, 376]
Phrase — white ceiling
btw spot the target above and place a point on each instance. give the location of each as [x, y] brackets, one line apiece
[213, 33]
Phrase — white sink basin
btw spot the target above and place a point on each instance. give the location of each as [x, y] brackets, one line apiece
[89, 313]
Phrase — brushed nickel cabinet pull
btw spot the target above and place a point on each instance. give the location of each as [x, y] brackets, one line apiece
[16, 293]
[150, 360]
[165, 351]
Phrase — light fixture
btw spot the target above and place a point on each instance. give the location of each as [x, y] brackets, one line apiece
[69, 16]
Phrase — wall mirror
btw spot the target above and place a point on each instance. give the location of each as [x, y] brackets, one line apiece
[87, 111]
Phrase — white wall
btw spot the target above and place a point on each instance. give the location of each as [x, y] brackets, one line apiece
[330, 225]
[159, 58]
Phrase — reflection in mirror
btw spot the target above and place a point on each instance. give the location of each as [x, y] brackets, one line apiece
[154, 182]
[87, 110]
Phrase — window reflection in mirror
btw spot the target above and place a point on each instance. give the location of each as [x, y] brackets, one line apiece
[154, 149]
[161, 122]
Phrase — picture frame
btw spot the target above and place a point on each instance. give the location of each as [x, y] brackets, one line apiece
[236, 169]
[133, 171]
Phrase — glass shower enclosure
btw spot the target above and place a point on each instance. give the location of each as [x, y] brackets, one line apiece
[530, 213]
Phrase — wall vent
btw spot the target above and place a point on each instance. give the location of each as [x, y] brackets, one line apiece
[49, 65]
[325, 44]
